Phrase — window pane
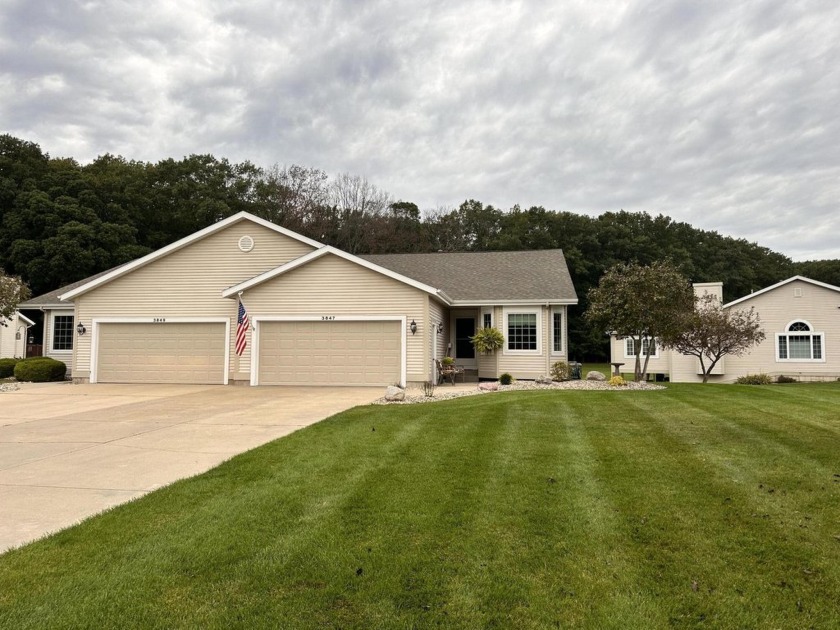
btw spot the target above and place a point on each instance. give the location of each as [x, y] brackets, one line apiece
[62, 332]
[798, 327]
[488, 320]
[817, 346]
[522, 331]
[799, 346]
[783, 347]
[558, 332]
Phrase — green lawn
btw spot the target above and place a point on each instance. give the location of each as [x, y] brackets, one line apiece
[696, 506]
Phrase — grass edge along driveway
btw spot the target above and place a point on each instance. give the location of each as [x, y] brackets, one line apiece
[694, 506]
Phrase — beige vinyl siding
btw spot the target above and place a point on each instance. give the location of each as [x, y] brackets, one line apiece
[188, 282]
[332, 286]
[488, 364]
[438, 313]
[814, 304]
[686, 369]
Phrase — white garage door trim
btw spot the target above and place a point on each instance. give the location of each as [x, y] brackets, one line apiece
[94, 341]
[255, 335]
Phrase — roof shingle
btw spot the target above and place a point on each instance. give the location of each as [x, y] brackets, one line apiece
[539, 275]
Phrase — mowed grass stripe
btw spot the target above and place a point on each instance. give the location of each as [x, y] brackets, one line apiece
[525, 510]
[711, 521]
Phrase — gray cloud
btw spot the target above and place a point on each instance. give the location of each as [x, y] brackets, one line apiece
[720, 114]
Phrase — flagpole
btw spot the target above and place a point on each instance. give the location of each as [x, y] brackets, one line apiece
[238, 357]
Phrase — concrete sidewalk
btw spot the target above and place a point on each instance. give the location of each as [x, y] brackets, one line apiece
[70, 451]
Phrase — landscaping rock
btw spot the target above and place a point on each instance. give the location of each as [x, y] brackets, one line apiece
[542, 379]
[394, 393]
[488, 386]
[595, 376]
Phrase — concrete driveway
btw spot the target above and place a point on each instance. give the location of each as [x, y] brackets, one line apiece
[70, 451]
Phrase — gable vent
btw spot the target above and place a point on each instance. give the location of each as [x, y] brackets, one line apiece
[797, 292]
[246, 243]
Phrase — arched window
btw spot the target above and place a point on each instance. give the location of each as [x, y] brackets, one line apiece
[800, 343]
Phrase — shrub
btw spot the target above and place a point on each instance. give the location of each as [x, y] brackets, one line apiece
[428, 389]
[505, 379]
[488, 339]
[617, 381]
[560, 371]
[40, 370]
[785, 379]
[754, 379]
[7, 367]
[447, 361]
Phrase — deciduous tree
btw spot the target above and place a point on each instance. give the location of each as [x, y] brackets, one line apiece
[13, 291]
[641, 302]
[712, 332]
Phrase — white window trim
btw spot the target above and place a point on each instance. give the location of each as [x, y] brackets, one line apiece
[563, 336]
[809, 333]
[522, 311]
[51, 349]
[628, 355]
[487, 311]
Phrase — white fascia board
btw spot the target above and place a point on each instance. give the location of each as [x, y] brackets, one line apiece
[780, 284]
[25, 318]
[326, 249]
[196, 236]
[46, 307]
[540, 302]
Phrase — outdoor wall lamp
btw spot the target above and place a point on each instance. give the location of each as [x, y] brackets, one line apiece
[80, 328]
[413, 327]
[440, 328]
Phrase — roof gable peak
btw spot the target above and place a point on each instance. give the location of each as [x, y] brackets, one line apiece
[180, 244]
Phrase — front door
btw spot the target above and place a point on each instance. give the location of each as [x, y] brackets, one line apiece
[464, 350]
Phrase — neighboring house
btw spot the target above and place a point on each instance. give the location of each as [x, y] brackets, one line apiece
[801, 321]
[13, 334]
[319, 315]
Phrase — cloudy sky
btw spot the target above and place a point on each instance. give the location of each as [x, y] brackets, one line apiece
[723, 114]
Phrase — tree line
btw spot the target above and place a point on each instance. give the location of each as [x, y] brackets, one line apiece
[61, 221]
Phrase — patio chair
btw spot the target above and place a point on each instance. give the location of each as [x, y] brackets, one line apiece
[448, 372]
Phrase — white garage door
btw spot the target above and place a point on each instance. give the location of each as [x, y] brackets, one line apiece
[329, 353]
[188, 353]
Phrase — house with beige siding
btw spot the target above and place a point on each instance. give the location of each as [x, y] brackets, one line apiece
[318, 315]
[13, 335]
[801, 321]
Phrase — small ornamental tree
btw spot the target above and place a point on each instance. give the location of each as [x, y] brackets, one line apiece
[13, 291]
[641, 302]
[711, 332]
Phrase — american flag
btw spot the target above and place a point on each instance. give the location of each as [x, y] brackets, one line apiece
[242, 324]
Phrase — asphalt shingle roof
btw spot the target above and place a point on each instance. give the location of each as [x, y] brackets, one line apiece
[485, 276]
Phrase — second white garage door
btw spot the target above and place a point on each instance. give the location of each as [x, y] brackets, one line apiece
[187, 353]
[330, 353]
